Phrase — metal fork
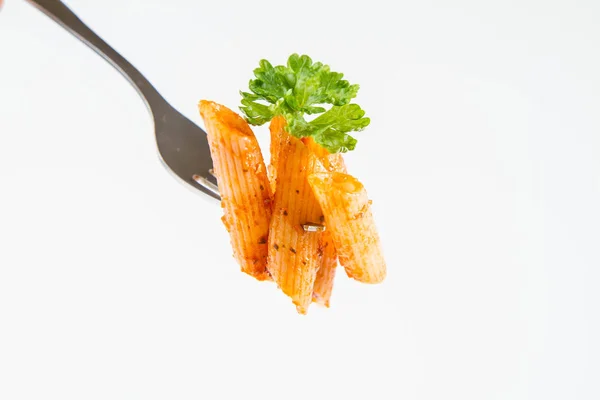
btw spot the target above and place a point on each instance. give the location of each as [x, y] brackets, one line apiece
[182, 145]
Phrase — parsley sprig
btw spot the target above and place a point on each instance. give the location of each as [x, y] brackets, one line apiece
[303, 87]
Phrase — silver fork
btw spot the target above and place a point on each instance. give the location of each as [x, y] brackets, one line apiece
[182, 145]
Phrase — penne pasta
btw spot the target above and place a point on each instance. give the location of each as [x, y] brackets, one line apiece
[294, 256]
[348, 218]
[246, 196]
[292, 221]
[329, 162]
[326, 273]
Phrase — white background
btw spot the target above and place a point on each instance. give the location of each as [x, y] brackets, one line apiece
[483, 161]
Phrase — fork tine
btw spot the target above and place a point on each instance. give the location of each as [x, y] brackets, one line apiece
[204, 182]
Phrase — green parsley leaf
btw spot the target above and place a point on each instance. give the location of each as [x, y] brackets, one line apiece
[303, 87]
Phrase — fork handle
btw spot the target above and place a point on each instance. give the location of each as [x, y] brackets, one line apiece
[62, 15]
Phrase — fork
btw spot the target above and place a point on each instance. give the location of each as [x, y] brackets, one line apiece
[182, 145]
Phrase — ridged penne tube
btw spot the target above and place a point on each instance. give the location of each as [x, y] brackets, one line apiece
[246, 196]
[348, 217]
[294, 256]
[326, 273]
[329, 162]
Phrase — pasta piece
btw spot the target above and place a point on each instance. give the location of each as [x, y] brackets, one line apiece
[348, 217]
[246, 196]
[294, 256]
[326, 273]
[330, 162]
